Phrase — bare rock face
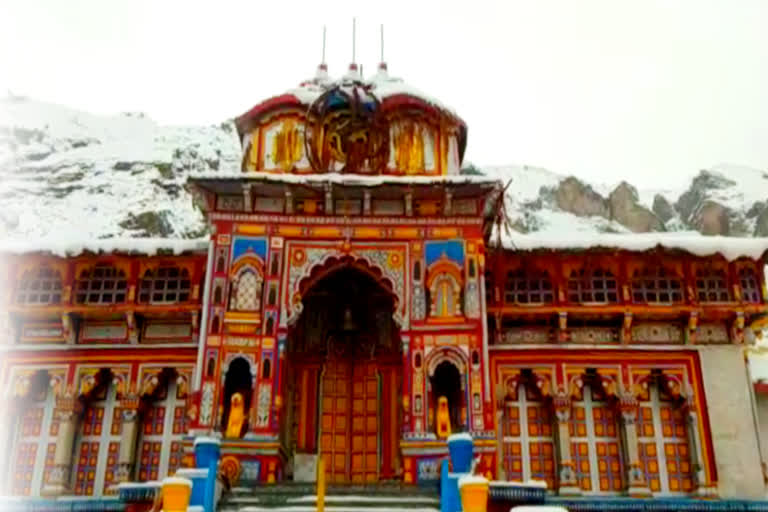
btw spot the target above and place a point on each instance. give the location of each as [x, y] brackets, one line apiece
[624, 208]
[663, 208]
[711, 219]
[693, 198]
[761, 226]
[573, 196]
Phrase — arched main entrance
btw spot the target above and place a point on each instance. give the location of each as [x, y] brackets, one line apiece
[344, 369]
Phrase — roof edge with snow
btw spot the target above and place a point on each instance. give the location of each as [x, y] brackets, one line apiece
[731, 248]
[128, 246]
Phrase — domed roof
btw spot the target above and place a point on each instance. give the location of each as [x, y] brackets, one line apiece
[356, 112]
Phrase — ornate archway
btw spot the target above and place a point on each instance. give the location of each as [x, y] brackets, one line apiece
[344, 364]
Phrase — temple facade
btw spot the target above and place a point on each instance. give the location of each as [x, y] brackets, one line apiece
[357, 301]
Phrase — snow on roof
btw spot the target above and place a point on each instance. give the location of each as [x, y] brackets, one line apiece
[345, 179]
[729, 247]
[382, 85]
[73, 247]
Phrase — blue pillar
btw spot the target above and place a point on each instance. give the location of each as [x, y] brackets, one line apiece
[207, 453]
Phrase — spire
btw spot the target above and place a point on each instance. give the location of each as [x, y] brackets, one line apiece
[322, 69]
[353, 72]
[382, 62]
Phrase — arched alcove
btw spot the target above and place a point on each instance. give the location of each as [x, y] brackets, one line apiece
[446, 381]
[238, 379]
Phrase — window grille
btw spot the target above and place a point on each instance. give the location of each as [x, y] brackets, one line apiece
[102, 284]
[712, 285]
[750, 285]
[165, 285]
[656, 285]
[39, 286]
[592, 286]
[528, 287]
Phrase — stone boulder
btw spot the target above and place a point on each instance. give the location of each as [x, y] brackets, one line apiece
[711, 218]
[625, 208]
[663, 208]
[692, 199]
[573, 196]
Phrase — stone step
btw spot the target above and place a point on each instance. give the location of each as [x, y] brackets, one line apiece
[328, 508]
[341, 500]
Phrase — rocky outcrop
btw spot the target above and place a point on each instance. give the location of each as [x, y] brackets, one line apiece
[761, 225]
[701, 186]
[625, 209]
[573, 196]
[663, 208]
[711, 218]
[148, 224]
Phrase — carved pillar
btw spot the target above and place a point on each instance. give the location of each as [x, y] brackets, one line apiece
[10, 411]
[703, 487]
[568, 486]
[58, 480]
[637, 485]
[127, 457]
[500, 473]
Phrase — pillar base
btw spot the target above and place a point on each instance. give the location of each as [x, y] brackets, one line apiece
[57, 482]
[568, 490]
[639, 491]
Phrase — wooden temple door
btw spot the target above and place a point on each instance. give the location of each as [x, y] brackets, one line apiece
[349, 438]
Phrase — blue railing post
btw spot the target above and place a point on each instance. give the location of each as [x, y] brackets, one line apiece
[207, 452]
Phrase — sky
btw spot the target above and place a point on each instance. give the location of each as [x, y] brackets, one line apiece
[649, 91]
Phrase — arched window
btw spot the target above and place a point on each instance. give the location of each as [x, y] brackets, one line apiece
[417, 360]
[165, 285]
[217, 295]
[272, 299]
[41, 285]
[592, 286]
[247, 295]
[211, 370]
[528, 287]
[417, 271]
[471, 270]
[100, 429]
[595, 443]
[164, 424]
[712, 285]
[220, 263]
[35, 441]
[270, 325]
[750, 285]
[528, 442]
[215, 325]
[445, 294]
[275, 264]
[101, 284]
[663, 447]
[656, 285]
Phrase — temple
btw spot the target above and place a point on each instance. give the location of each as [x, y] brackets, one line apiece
[358, 300]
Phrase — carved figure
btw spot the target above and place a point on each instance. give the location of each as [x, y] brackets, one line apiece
[443, 418]
[236, 416]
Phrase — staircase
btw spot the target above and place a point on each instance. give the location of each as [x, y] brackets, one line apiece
[301, 497]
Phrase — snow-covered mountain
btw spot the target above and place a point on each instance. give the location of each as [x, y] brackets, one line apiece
[65, 173]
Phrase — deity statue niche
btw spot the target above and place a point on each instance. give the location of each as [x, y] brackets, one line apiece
[238, 389]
